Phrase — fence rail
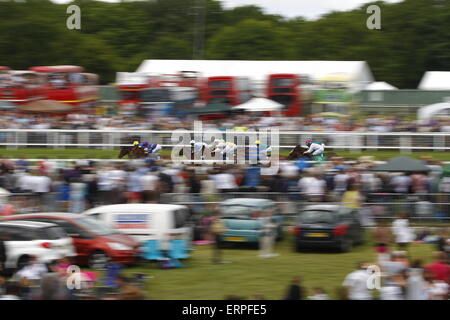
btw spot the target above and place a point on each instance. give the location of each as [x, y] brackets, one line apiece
[110, 139]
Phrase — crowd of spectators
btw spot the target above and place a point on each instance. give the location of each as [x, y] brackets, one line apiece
[243, 122]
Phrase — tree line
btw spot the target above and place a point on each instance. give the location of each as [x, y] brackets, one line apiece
[414, 36]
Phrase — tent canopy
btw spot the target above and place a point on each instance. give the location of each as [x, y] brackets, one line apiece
[402, 164]
[427, 112]
[380, 85]
[259, 105]
[435, 80]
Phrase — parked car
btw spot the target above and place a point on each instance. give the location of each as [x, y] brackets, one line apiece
[328, 226]
[45, 241]
[244, 218]
[95, 243]
[145, 221]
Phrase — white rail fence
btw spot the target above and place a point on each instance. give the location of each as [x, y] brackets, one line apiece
[355, 142]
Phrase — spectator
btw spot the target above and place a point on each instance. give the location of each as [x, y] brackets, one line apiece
[53, 285]
[218, 229]
[402, 231]
[295, 290]
[356, 283]
[268, 238]
[440, 269]
[32, 271]
[395, 265]
[416, 286]
[312, 186]
[382, 238]
[352, 198]
[401, 183]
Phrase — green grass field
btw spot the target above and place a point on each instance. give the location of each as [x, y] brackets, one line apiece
[85, 153]
[247, 274]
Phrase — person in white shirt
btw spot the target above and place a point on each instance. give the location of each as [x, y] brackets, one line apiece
[403, 233]
[312, 186]
[33, 271]
[356, 284]
[150, 185]
[225, 182]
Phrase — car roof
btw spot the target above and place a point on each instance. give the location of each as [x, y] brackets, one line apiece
[28, 224]
[251, 202]
[63, 215]
[322, 207]
[141, 207]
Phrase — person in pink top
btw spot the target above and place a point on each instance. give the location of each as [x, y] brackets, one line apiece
[440, 268]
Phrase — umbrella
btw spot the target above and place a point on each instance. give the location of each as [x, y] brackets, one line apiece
[402, 164]
[48, 106]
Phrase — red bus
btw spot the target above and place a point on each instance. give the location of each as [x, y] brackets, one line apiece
[285, 89]
[19, 86]
[68, 84]
[229, 90]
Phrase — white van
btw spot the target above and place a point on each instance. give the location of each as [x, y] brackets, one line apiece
[145, 221]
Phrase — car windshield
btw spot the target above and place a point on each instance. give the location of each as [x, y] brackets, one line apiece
[95, 227]
[316, 216]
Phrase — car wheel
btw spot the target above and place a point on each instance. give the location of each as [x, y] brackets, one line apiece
[98, 260]
[345, 245]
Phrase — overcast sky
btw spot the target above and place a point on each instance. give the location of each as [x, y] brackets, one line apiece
[310, 9]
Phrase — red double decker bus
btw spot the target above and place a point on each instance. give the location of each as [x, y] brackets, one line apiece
[284, 89]
[229, 90]
[19, 86]
[68, 84]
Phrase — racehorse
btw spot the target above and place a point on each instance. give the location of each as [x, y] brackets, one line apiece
[298, 151]
[133, 152]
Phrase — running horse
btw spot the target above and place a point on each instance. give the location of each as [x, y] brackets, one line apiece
[298, 151]
[133, 152]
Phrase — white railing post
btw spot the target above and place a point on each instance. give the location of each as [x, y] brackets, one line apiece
[405, 144]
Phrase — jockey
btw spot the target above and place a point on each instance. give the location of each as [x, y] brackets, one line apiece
[264, 149]
[316, 148]
[153, 148]
[225, 148]
[197, 147]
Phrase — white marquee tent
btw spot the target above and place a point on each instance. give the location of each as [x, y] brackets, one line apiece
[358, 71]
[435, 80]
[259, 105]
[380, 85]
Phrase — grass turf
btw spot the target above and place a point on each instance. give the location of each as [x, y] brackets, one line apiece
[249, 275]
[86, 153]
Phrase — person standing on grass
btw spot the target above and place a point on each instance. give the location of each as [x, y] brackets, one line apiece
[356, 283]
[383, 238]
[295, 291]
[218, 229]
[402, 231]
[267, 238]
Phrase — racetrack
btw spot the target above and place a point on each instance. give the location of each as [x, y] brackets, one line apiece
[86, 153]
